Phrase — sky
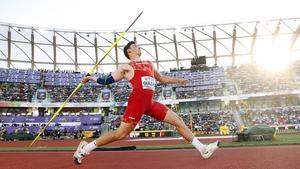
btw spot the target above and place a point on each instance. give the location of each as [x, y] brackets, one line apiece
[114, 14]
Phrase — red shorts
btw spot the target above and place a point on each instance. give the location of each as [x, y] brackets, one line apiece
[139, 105]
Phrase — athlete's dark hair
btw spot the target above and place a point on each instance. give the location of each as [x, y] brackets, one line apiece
[127, 47]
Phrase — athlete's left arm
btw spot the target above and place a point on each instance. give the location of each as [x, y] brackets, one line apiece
[167, 79]
[115, 76]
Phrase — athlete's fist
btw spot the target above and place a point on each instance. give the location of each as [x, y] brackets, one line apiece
[88, 78]
[84, 80]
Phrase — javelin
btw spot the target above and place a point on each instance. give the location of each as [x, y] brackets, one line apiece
[81, 84]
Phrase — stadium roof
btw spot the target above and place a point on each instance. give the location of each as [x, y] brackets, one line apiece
[192, 23]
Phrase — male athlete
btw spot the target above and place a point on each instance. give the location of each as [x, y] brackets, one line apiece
[142, 76]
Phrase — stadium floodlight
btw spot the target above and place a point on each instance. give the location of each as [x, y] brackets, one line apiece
[81, 84]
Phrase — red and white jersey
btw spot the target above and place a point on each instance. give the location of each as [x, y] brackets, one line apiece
[141, 99]
[143, 79]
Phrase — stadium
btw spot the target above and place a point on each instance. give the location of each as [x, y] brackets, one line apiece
[240, 75]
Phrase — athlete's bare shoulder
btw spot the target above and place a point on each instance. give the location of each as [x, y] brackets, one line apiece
[127, 71]
[122, 72]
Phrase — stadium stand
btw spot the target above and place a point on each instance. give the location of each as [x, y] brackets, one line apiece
[254, 79]
[17, 85]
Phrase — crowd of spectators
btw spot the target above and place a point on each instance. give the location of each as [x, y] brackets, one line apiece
[207, 123]
[85, 94]
[272, 116]
[121, 91]
[210, 122]
[21, 85]
[200, 83]
[17, 91]
[59, 85]
[64, 125]
[254, 79]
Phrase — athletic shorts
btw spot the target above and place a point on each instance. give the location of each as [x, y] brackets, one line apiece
[139, 105]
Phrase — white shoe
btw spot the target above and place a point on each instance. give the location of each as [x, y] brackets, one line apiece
[79, 153]
[210, 149]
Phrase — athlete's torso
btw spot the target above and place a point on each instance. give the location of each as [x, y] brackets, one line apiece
[143, 81]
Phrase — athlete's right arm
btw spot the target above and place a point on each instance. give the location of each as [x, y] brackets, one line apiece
[111, 78]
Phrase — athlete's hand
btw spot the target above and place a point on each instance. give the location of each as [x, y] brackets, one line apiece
[85, 79]
[183, 81]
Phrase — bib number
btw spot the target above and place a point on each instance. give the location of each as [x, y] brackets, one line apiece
[148, 82]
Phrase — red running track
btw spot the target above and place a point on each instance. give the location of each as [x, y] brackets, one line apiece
[127, 142]
[271, 157]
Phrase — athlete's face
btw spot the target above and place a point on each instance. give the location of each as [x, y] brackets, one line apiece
[135, 50]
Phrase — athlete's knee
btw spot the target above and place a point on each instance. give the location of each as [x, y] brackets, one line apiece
[173, 119]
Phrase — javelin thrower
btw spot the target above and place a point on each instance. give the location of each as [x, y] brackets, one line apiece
[142, 75]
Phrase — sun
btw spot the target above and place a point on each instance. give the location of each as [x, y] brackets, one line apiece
[273, 54]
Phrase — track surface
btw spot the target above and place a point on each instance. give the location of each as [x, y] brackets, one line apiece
[271, 157]
[128, 142]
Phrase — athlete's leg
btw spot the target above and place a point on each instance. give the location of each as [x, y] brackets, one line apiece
[85, 148]
[173, 119]
[162, 113]
[111, 136]
[119, 134]
[205, 150]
